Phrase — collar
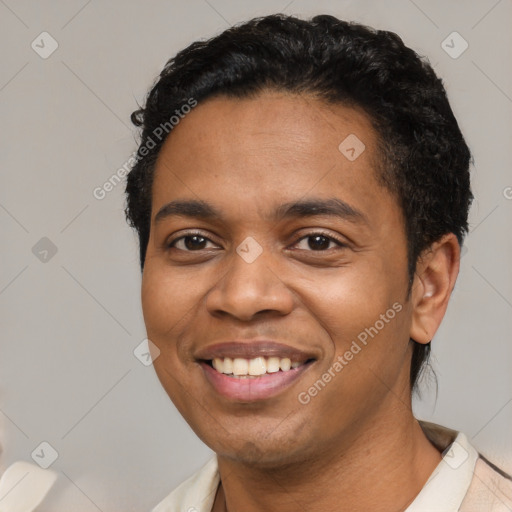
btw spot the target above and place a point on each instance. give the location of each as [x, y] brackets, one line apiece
[443, 492]
[448, 484]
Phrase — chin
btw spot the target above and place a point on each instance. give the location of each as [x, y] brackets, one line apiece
[259, 452]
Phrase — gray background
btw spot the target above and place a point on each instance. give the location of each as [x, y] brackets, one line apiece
[71, 320]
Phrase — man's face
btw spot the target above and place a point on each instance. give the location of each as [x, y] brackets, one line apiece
[250, 274]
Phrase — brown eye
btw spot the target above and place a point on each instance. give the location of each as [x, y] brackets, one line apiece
[319, 242]
[193, 242]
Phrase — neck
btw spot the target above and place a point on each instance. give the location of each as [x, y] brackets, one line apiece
[381, 467]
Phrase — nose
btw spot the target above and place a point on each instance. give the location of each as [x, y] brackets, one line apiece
[247, 289]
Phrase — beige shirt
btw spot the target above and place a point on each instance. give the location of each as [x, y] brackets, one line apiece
[463, 481]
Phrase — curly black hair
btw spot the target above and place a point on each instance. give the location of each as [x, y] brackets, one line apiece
[423, 158]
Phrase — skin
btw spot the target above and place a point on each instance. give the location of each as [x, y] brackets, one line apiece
[356, 445]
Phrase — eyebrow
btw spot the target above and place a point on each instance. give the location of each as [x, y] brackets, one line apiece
[333, 207]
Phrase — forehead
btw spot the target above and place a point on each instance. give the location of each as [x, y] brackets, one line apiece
[269, 149]
[277, 121]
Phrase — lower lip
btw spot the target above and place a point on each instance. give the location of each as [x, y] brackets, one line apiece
[252, 388]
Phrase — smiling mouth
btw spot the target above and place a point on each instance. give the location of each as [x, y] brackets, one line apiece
[242, 368]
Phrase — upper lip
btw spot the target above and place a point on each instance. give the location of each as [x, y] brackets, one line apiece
[252, 349]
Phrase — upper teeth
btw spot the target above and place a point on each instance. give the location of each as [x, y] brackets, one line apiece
[256, 366]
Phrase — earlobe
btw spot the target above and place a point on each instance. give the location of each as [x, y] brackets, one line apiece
[436, 273]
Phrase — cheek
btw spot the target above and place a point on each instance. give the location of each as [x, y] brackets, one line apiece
[168, 301]
[350, 299]
[366, 329]
[155, 302]
[364, 317]
[167, 298]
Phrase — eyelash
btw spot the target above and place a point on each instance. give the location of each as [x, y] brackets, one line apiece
[339, 243]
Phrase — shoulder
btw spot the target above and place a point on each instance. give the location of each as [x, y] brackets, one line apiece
[196, 494]
[465, 480]
[490, 489]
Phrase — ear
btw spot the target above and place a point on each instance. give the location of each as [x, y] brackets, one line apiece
[436, 272]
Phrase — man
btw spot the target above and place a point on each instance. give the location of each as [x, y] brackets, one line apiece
[300, 234]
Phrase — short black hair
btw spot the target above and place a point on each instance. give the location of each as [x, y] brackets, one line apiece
[423, 158]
